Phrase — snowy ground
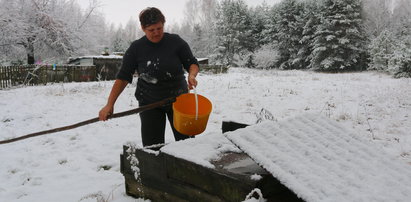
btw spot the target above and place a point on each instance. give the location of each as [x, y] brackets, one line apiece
[83, 164]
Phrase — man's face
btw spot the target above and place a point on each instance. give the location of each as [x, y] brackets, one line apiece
[154, 32]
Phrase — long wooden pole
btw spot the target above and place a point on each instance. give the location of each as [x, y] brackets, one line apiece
[93, 120]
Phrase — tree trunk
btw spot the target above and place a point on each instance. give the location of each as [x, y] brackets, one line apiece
[30, 50]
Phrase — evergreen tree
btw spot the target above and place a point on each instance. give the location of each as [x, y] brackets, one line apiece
[311, 19]
[339, 39]
[290, 30]
[269, 33]
[259, 21]
[232, 31]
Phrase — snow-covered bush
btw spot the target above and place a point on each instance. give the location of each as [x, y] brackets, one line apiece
[400, 63]
[381, 50]
[266, 57]
[390, 55]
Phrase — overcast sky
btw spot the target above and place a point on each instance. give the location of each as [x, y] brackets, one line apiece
[120, 11]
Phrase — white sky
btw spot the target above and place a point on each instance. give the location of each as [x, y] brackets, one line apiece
[120, 11]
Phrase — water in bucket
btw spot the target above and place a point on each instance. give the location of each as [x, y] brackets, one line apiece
[190, 118]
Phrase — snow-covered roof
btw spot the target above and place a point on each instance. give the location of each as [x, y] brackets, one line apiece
[201, 59]
[320, 160]
[102, 56]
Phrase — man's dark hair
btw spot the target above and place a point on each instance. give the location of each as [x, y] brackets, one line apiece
[151, 16]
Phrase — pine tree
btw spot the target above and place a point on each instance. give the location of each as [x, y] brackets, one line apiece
[312, 20]
[339, 39]
[269, 33]
[232, 31]
[259, 20]
[290, 29]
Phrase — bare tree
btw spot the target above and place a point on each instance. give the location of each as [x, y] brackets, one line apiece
[377, 15]
[43, 26]
[198, 26]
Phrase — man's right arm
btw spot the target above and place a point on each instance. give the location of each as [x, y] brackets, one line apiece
[116, 90]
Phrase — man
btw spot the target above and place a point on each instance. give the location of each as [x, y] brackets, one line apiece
[160, 60]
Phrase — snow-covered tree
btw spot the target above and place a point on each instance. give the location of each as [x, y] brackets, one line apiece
[401, 19]
[121, 38]
[400, 63]
[232, 31]
[259, 20]
[132, 31]
[376, 16]
[269, 33]
[311, 19]
[339, 39]
[389, 31]
[197, 27]
[381, 50]
[289, 33]
[44, 28]
[119, 43]
[266, 57]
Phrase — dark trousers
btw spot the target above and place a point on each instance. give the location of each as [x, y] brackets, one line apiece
[153, 125]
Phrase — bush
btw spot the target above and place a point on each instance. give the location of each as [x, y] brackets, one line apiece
[400, 63]
[266, 57]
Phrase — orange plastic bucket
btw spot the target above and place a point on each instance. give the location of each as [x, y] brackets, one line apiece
[184, 118]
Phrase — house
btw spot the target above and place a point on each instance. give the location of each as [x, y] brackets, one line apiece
[206, 67]
[107, 66]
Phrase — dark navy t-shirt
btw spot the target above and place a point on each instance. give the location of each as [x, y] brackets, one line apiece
[160, 67]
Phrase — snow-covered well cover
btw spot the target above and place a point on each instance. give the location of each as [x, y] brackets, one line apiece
[320, 160]
[202, 149]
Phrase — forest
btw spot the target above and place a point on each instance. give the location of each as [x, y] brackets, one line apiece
[322, 35]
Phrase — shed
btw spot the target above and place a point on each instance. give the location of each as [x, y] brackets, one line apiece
[202, 61]
[107, 66]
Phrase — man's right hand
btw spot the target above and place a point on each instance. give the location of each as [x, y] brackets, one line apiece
[116, 90]
[105, 113]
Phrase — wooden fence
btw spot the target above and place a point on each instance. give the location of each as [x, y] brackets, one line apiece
[42, 74]
[23, 75]
[215, 69]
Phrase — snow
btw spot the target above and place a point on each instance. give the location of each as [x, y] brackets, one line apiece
[102, 57]
[83, 164]
[321, 161]
[201, 150]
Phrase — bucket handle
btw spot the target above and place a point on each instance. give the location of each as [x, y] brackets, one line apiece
[196, 100]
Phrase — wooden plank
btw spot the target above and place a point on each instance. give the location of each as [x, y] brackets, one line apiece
[154, 184]
[215, 69]
[163, 177]
[2, 77]
[228, 187]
